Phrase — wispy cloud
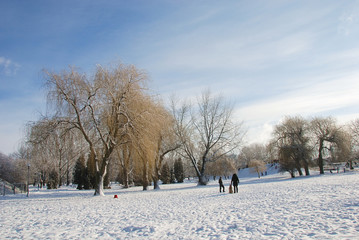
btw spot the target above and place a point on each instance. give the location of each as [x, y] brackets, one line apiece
[8, 67]
[349, 20]
[324, 97]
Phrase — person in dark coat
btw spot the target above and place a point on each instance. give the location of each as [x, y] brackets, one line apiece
[221, 186]
[235, 182]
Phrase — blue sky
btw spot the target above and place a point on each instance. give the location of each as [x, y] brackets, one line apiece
[272, 58]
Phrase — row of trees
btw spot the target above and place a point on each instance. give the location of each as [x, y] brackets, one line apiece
[110, 126]
[13, 168]
[299, 143]
[110, 123]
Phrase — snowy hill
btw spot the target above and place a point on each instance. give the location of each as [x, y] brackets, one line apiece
[272, 207]
[250, 173]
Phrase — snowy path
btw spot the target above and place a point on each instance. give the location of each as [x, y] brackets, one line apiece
[273, 207]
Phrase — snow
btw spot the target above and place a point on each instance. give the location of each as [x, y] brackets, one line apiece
[272, 207]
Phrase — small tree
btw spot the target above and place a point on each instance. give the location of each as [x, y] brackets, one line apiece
[165, 174]
[258, 166]
[178, 170]
[254, 151]
[222, 167]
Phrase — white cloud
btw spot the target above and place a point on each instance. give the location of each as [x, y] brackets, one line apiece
[329, 97]
[349, 20]
[8, 67]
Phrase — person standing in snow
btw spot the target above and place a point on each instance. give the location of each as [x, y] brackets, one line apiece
[221, 186]
[235, 182]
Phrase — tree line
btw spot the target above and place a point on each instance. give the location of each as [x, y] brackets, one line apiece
[109, 126]
[299, 144]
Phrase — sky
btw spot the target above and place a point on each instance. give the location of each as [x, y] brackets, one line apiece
[271, 58]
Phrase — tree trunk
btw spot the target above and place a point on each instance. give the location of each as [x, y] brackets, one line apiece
[100, 175]
[125, 180]
[156, 186]
[298, 166]
[306, 168]
[320, 158]
[299, 169]
[145, 177]
[60, 170]
[351, 164]
[202, 180]
[157, 175]
[67, 173]
[99, 188]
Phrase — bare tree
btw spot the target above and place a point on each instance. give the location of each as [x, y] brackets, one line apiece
[206, 132]
[354, 128]
[166, 142]
[258, 166]
[40, 148]
[97, 107]
[328, 135]
[254, 151]
[222, 167]
[292, 142]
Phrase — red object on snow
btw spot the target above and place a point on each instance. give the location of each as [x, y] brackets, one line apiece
[115, 196]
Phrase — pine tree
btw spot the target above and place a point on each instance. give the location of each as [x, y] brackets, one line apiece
[53, 180]
[165, 174]
[79, 172]
[178, 170]
[86, 179]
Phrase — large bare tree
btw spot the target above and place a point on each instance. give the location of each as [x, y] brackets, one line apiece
[97, 107]
[206, 131]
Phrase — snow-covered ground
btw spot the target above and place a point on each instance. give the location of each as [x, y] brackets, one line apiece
[273, 207]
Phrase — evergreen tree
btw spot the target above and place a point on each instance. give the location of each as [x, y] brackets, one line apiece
[178, 170]
[86, 179]
[53, 180]
[80, 173]
[165, 174]
[106, 182]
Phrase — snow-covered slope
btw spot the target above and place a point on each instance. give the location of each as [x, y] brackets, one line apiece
[250, 172]
[273, 207]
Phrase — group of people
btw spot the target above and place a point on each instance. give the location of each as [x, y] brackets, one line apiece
[234, 182]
